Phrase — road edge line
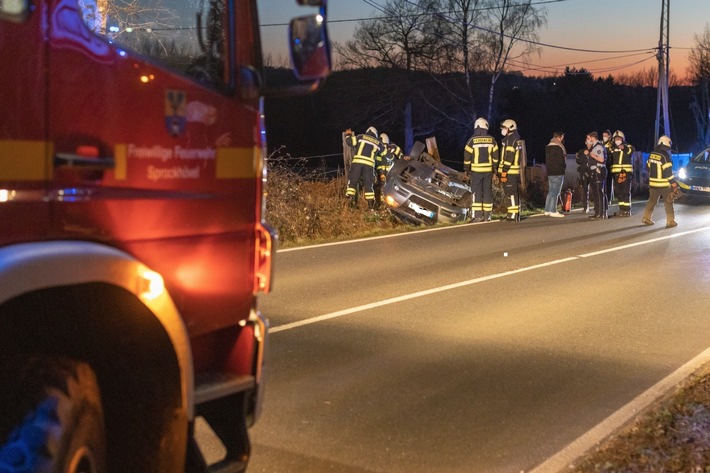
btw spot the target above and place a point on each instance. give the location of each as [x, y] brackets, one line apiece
[561, 460]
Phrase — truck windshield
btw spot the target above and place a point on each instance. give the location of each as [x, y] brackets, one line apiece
[185, 35]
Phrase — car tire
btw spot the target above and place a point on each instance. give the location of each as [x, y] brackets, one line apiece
[52, 419]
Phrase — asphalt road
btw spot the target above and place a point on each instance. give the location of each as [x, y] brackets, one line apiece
[434, 352]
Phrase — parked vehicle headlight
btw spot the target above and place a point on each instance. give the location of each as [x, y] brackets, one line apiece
[682, 174]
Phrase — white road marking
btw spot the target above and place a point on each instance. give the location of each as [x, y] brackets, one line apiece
[565, 457]
[645, 242]
[406, 297]
[381, 237]
[435, 290]
[559, 461]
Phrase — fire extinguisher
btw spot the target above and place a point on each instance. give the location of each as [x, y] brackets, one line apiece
[567, 203]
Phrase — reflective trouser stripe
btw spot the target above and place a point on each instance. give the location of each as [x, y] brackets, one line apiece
[513, 207]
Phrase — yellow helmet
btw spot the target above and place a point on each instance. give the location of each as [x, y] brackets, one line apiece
[509, 124]
[481, 123]
[665, 141]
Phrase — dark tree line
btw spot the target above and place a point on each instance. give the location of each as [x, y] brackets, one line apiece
[575, 103]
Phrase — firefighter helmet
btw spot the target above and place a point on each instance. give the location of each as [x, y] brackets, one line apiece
[509, 124]
[384, 138]
[481, 123]
[665, 141]
[620, 134]
[372, 131]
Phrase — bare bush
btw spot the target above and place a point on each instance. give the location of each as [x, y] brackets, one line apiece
[306, 209]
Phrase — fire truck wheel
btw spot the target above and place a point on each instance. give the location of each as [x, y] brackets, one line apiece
[57, 424]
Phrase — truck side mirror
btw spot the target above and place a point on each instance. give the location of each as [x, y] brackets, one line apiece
[310, 51]
[312, 3]
[14, 10]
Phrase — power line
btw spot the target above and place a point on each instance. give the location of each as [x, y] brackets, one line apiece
[556, 69]
[536, 43]
[381, 8]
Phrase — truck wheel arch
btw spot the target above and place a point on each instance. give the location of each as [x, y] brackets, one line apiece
[83, 300]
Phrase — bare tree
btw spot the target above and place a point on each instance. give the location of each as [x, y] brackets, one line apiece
[509, 23]
[401, 37]
[459, 51]
[405, 36]
[460, 22]
[699, 58]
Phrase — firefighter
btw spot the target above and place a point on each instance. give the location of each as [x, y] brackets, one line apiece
[596, 152]
[366, 149]
[661, 183]
[509, 167]
[622, 169]
[383, 163]
[395, 150]
[480, 158]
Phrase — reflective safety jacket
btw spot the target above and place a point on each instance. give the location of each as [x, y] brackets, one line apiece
[621, 159]
[480, 153]
[660, 168]
[385, 161]
[366, 148]
[396, 151]
[512, 148]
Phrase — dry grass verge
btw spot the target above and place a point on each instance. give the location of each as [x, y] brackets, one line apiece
[672, 436]
[306, 211]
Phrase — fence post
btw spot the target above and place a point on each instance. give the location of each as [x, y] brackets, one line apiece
[432, 148]
[347, 156]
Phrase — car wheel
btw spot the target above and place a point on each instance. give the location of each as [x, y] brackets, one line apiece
[52, 420]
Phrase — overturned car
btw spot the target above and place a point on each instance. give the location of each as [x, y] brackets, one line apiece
[421, 189]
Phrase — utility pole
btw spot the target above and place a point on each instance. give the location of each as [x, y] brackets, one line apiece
[663, 71]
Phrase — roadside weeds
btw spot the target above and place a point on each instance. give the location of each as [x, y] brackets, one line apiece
[671, 435]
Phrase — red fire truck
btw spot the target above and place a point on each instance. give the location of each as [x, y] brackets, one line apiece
[132, 241]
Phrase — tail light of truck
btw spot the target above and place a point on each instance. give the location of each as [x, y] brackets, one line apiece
[263, 258]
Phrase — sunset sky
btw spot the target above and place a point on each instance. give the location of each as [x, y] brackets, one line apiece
[599, 25]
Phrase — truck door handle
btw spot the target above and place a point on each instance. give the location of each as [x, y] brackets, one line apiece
[82, 162]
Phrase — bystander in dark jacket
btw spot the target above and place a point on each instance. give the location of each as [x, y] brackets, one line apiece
[556, 164]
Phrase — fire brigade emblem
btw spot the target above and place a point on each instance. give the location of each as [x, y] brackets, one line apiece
[175, 102]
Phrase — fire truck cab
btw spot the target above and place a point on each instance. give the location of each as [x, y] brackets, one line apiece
[132, 240]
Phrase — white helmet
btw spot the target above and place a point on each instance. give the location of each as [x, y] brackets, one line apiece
[509, 124]
[665, 141]
[384, 138]
[620, 134]
[372, 131]
[481, 123]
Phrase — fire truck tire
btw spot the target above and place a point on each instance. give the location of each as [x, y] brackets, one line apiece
[60, 428]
